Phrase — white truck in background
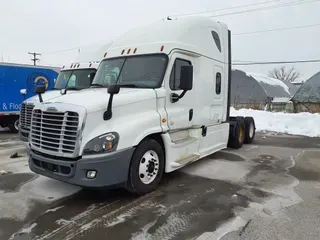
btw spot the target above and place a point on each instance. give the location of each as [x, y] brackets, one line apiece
[160, 100]
[72, 77]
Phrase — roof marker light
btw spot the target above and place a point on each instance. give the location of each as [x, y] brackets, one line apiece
[122, 52]
[128, 50]
[63, 67]
[78, 64]
[105, 54]
[161, 49]
[90, 64]
[71, 65]
[134, 51]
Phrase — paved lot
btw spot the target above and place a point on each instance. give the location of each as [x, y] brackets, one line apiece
[266, 190]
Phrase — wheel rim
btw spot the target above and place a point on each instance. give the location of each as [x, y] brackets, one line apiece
[251, 130]
[149, 167]
[16, 125]
[241, 133]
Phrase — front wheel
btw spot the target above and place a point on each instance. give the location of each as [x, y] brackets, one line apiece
[147, 166]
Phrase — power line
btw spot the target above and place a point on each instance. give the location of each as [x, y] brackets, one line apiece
[232, 13]
[247, 63]
[267, 8]
[277, 29]
[223, 9]
[34, 59]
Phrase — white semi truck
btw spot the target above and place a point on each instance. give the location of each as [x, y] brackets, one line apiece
[72, 77]
[160, 100]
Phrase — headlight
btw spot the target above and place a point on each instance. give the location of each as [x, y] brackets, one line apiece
[107, 142]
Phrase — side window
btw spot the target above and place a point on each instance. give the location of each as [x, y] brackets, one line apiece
[175, 73]
[218, 83]
[216, 39]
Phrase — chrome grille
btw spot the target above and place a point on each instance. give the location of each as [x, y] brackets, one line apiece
[25, 115]
[55, 131]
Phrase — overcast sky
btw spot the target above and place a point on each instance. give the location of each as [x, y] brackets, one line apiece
[47, 26]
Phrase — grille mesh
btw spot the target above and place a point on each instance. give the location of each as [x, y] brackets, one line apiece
[25, 116]
[55, 131]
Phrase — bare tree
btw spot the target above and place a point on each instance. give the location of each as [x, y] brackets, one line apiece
[283, 74]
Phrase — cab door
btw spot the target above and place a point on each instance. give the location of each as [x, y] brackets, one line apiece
[180, 113]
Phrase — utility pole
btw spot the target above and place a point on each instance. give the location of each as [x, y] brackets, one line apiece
[34, 59]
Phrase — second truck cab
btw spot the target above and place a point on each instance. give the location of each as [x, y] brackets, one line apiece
[71, 78]
[160, 100]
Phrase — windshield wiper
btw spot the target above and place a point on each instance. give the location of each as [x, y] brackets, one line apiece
[129, 85]
[96, 85]
[73, 88]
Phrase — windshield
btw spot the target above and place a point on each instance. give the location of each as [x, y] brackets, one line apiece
[74, 79]
[134, 71]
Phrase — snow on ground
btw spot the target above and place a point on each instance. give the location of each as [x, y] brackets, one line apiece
[16, 204]
[305, 124]
[270, 81]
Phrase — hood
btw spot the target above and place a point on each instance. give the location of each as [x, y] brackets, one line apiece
[95, 99]
[46, 96]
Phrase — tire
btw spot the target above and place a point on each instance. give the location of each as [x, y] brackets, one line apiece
[250, 129]
[14, 127]
[237, 137]
[148, 157]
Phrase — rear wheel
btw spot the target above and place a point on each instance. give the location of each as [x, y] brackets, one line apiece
[237, 137]
[14, 127]
[250, 129]
[147, 165]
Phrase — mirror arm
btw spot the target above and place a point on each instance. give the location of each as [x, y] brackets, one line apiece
[175, 97]
[40, 97]
[107, 115]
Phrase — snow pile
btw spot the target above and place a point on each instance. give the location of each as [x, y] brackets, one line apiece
[291, 123]
[271, 81]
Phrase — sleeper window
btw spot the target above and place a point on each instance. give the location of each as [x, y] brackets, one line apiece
[175, 73]
[218, 83]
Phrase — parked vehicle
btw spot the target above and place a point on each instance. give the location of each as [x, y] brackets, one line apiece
[13, 77]
[73, 77]
[159, 101]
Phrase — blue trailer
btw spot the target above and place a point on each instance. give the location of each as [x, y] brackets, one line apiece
[13, 78]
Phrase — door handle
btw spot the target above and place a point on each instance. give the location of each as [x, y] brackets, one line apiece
[190, 114]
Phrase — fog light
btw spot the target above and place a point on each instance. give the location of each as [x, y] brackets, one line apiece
[91, 174]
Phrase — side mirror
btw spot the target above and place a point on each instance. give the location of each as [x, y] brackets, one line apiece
[39, 90]
[23, 91]
[186, 83]
[114, 89]
[186, 78]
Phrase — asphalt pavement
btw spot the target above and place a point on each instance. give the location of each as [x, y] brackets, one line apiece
[265, 190]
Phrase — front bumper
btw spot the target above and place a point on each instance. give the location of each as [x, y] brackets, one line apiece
[23, 134]
[112, 169]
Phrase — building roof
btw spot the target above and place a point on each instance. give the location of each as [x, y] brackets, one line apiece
[309, 91]
[256, 88]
